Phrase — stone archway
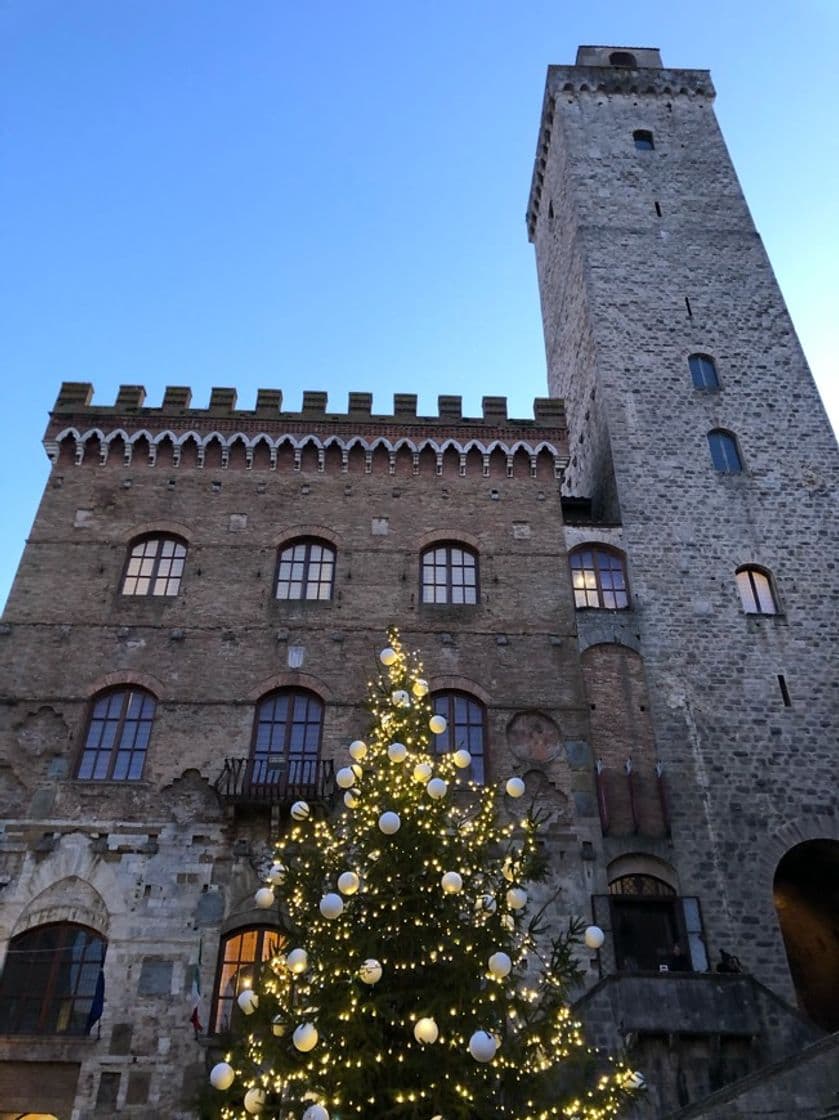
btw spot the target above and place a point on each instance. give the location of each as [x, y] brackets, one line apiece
[806, 896]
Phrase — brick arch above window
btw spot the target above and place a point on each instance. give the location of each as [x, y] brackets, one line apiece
[122, 678]
[157, 528]
[639, 863]
[306, 529]
[292, 679]
[446, 536]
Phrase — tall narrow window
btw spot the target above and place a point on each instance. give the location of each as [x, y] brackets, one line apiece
[117, 736]
[755, 589]
[242, 956]
[449, 575]
[598, 578]
[49, 981]
[466, 730]
[643, 139]
[703, 371]
[306, 570]
[724, 453]
[155, 566]
[286, 740]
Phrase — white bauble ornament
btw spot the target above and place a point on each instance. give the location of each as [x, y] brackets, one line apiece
[462, 759]
[358, 750]
[423, 771]
[278, 1026]
[388, 656]
[315, 1112]
[248, 1001]
[486, 903]
[300, 810]
[264, 898]
[389, 823]
[370, 972]
[451, 883]
[331, 905]
[222, 1076]
[351, 798]
[254, 1101]
[482, 1046]
[594, 937]
[397, 752]
[437, 788]
[438, 724]
[345, 778]
[500, 965]
[426, 1030]
[400, 698]
[419, 688]
[348, 882]
[516, 898]
[297, 961]
[515, 787]
[305, 1037]
[276, 875]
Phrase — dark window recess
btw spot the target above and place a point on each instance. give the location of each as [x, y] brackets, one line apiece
[652, 930]
[107, 1093]
[623, 58]
[782, 684]
[703, 371]
[724, 453]
[688, 308]
[643, 140]
[658, 209]
[466, 730]
[551, 210]
[50, 980]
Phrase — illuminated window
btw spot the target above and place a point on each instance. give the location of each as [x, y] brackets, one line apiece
[306, 570]
[286, 739]
[703, 372]
[155, 566]
[466, 719]
[50, 978]
[598, 578]
[724, 453]
[755, 589]
[117, 736]
[449, 575]
[242, 955]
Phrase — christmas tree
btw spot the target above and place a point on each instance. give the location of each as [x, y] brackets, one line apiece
[416, 984]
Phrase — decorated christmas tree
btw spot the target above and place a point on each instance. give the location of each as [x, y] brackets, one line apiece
[417, 983]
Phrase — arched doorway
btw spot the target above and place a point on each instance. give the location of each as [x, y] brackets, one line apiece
[806, 894]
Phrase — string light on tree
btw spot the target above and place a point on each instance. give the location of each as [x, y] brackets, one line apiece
[410, 899]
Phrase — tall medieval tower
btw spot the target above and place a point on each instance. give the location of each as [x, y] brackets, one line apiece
[697, 433]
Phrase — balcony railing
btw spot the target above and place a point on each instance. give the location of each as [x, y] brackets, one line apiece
[276, 782]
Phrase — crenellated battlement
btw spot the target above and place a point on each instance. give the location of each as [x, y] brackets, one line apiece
[223, 435]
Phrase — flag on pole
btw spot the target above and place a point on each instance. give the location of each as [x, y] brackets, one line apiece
[98, 1005]
[195, 993]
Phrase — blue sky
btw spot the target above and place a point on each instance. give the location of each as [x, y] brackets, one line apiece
[331, 196]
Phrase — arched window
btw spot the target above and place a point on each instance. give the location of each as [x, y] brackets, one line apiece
[286, 739]
[306, 570]
[117, 737]
[643, 139]
[623, 58]
[598, 578]
[449, 574]
[755, 589]
[703, 371]
[50, 978]
[155, 566]
[466, 719]
[242, 956]
[724, 453]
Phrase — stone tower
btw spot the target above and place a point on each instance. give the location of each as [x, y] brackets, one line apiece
[700, 450]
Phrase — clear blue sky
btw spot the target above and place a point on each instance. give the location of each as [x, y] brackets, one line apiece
[331, 196]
